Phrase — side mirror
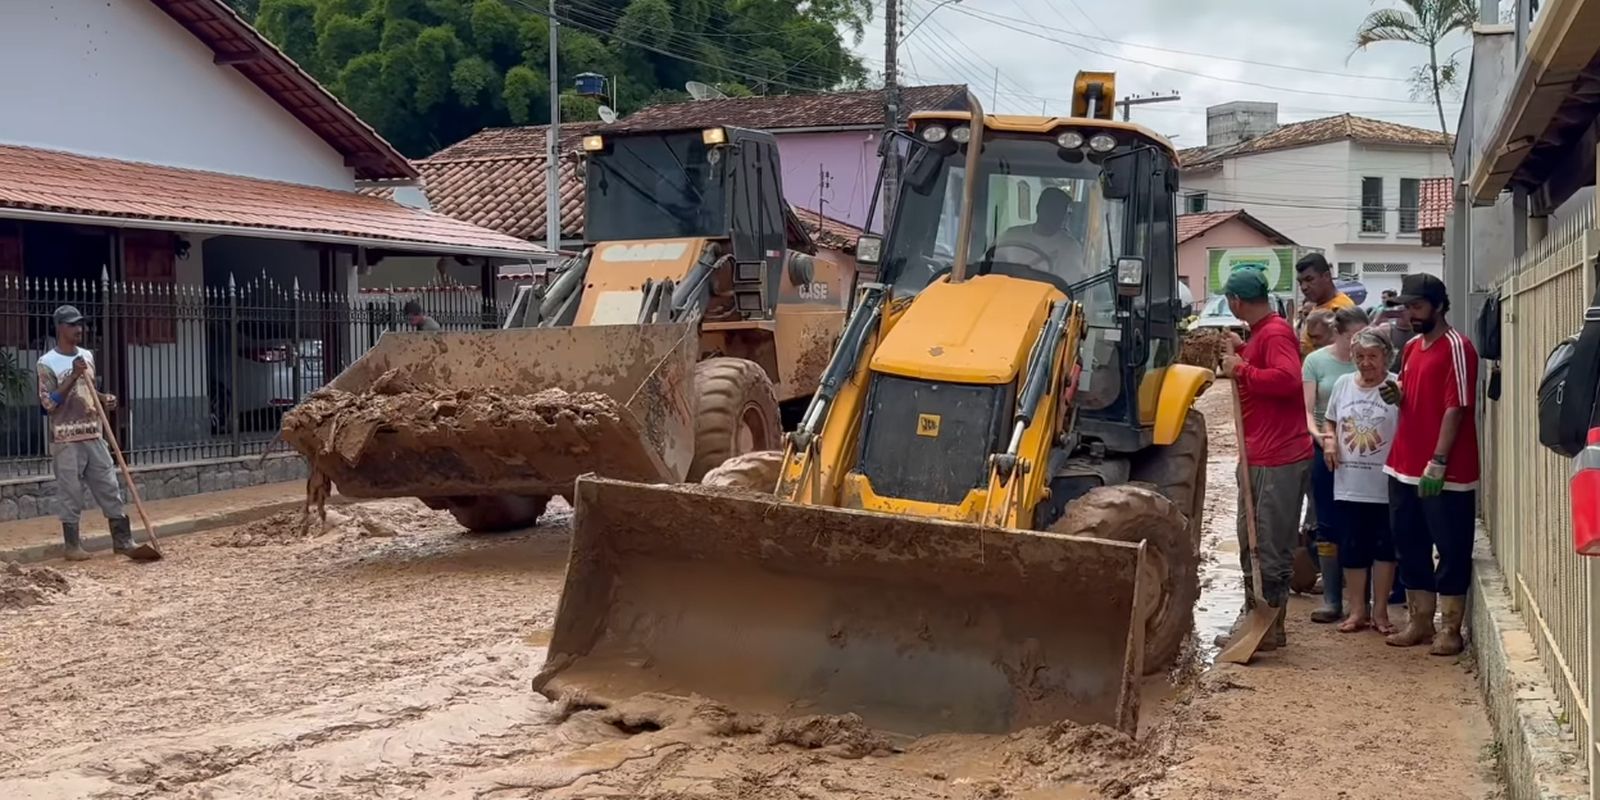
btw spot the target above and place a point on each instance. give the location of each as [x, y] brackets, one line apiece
[1130, 276]
[869, 250]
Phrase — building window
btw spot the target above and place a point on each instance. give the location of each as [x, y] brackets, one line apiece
[1372, 205]
[1384, 268]
[1345, 268]
[1410, 202]
[1194, 203]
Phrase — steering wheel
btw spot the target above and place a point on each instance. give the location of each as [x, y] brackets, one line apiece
[1017, 269]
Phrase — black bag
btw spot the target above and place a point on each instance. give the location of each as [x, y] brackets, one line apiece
[1567, 390]
[1489, 329]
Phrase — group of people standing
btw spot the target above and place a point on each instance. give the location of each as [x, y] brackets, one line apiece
[1377, 421]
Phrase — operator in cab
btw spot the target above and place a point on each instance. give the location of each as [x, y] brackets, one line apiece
[1046, 236]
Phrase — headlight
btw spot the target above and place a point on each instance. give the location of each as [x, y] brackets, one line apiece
[961, 133]
[1070, 140]
[713, 136]
[934, 134]
[1130, 272]
[1102, 143]
[593, 144]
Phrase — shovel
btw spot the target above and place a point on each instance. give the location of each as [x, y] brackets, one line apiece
[1258, 624]
[140, 552]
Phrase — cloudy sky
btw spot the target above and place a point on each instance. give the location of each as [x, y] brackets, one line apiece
[1291, 52]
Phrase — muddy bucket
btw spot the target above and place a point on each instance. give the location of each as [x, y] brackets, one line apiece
[514, 412]
[772, 607]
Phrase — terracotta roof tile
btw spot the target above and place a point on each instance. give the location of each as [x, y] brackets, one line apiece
[45, 180]
[527, 140]
[1437, 200]
[1191, 226]
[829, 232]
[863, 109]
[1318, 131]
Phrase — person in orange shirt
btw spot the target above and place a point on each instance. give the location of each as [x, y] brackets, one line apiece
[1315, 277]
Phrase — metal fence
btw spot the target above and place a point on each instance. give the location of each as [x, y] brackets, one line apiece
[201, 371]
[1526, 498]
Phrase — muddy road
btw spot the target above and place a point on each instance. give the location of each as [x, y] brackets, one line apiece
[390, 657]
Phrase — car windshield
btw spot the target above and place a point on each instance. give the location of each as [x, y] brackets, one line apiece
[1217, 307]
[654, 187]
[1042, 216]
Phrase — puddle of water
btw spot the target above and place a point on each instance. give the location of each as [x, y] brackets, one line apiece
[1221, 580]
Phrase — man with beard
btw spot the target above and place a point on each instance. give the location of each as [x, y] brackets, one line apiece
[1433, 467]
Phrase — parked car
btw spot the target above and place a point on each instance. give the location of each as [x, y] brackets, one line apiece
[1217, 316]
[264, 381]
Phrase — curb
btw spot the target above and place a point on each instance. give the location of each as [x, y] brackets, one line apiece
[1537, 757]
[165, 529]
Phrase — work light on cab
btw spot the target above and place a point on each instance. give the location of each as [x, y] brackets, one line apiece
[1070, 140]
[934, 134]
[961, 134]
[1102, 143]
[713, 136]
[593, 144]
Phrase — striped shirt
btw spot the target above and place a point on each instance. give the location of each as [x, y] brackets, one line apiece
[1435, 379]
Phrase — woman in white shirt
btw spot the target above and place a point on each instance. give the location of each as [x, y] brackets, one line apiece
[1360, 427]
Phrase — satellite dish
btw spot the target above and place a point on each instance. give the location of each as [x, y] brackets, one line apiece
[608, 114]
[703, 91]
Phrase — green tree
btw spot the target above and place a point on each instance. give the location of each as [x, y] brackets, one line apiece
[1426, 23]
[427, 73]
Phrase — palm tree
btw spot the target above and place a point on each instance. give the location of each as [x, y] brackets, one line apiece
[1424, 22]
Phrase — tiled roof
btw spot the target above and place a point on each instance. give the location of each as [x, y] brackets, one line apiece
[67, 183]
[863, 109]
[1191, 226]
[1437, 200]
[829, 232]
[241, 47]
[1318, 131]
[503, 194]
[527, 140]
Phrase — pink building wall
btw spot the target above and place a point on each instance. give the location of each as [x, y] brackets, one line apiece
[1192, 261]
[849, 157]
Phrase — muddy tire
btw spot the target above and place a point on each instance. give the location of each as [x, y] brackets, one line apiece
[494, 513]
[1170, 581]
[751, 472]
[1178, 470]
[737, 413]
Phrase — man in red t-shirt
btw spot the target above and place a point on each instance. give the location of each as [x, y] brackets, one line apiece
[1266, 374]
[1433, 467]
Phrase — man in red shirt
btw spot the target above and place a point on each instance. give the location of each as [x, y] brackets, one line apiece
[1266, 374]
[1433, 467]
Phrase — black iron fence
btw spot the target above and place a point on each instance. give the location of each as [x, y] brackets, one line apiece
[201, 371]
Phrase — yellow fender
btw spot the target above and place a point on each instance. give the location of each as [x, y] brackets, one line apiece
[1179, 387]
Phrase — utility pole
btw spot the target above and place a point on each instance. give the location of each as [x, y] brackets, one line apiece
[552, 149]
[1127, 103]
[994, 99]
[891, 108]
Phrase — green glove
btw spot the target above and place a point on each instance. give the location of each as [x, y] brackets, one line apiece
[1432, 482]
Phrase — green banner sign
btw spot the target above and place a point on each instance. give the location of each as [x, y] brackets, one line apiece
[1276, 262]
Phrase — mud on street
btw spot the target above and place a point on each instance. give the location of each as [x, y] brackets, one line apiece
[390, 655]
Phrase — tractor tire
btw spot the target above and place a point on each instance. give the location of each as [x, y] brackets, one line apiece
[494, 513]
[737, 413]
[756, 471]
[1170, 581]
[1178, 470]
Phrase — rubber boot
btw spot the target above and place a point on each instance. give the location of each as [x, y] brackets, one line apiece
[1332, 609]
[1419, 621]
[121, 534]
[1452, 610]
[72, 543]
[1277, 637]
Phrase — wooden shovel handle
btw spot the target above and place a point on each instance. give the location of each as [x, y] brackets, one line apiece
[127, 474]
[1248, 492]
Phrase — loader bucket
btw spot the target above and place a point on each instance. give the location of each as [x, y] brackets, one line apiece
[917, 625]
[506, 412]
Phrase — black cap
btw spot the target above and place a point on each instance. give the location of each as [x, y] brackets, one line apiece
[1421, 287]
[68, 315]
[412, 307]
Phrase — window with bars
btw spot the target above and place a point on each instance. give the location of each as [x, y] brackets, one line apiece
[1384, 268]
[1410, 204]
[1372, 205]
[1194, 203]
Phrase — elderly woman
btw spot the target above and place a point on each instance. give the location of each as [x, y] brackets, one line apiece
[1359, 428]
[1322, 368]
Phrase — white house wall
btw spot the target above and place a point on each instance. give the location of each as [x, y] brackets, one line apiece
[120, 79]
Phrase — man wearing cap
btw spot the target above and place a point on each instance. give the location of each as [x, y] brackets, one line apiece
[83, 466]
[418, 320]
[1433, 467]
[1266, 373]
[1315, 278]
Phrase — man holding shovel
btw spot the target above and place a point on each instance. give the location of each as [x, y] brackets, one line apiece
[83, 465]
[1277, 448]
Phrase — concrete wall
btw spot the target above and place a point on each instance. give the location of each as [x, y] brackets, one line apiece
[1193, 260]
[35, 497]
[851, 160]
[121, 79]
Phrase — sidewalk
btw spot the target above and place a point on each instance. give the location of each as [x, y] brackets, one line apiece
[39, 538]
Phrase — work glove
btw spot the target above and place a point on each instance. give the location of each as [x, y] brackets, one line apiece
[1390, 392]
[1432, 482]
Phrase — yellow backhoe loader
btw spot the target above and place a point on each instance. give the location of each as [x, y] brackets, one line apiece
[694, 317]
[988, 517]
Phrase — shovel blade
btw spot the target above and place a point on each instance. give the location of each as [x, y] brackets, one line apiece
[1247, 639]
[143, 552]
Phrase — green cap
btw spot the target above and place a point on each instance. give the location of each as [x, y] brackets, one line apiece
[1247, 283]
